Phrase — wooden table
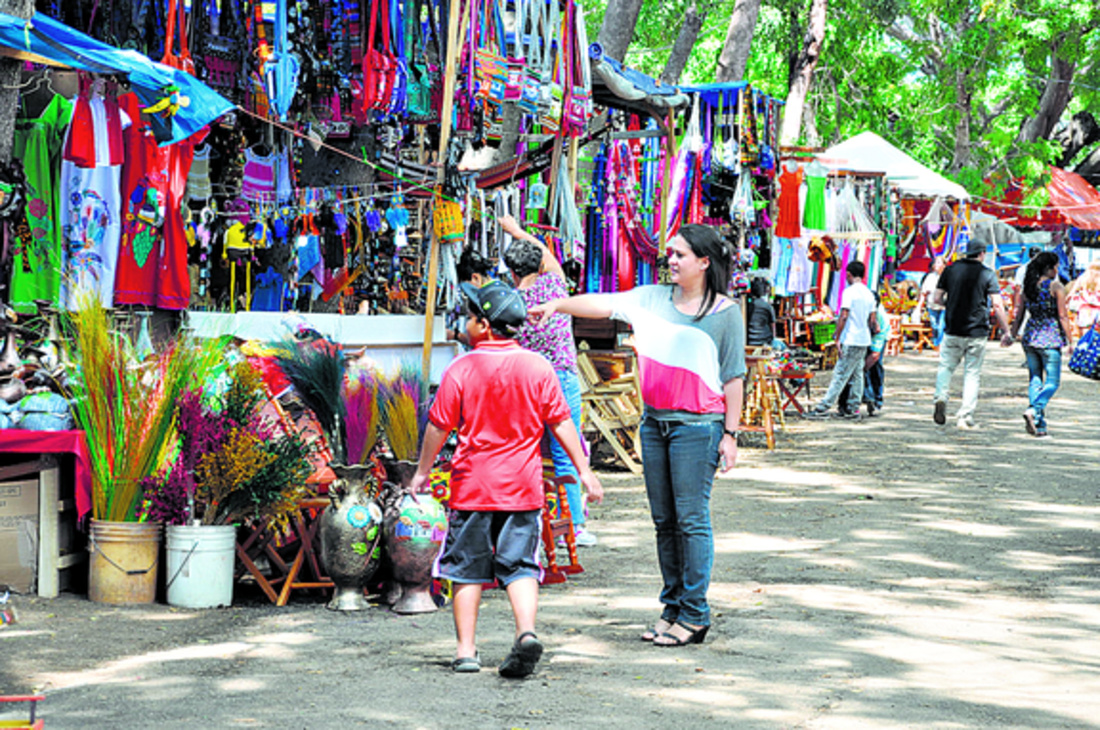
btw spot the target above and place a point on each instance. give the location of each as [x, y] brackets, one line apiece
[921, 334]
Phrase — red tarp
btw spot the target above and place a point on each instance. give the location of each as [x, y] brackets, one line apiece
[1073, 202]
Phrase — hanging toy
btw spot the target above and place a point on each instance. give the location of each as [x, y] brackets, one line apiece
[171, 101]
[398, 218]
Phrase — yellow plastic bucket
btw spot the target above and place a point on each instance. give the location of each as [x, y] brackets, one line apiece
[123, 561]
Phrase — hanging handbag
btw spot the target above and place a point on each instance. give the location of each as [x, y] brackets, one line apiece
[578, 108]
[490, 67]
[552, 93]
[513, 87]
[421, 79]
[447, 220]
[1085, 360]
[398, 100]
[377, 64]
[528, 101]
[183, 61]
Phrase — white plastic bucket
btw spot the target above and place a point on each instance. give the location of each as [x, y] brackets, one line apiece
[200, 565]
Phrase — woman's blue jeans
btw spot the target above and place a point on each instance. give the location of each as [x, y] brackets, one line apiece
[563, 465]
[680, 461]
[936, 319]
[1044, 367]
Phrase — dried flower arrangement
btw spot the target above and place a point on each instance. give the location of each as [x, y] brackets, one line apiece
[234, 462]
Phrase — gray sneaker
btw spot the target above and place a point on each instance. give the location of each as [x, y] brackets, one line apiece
[940, 414]
[816, 414]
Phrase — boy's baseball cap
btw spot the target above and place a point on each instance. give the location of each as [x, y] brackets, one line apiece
[499, 303]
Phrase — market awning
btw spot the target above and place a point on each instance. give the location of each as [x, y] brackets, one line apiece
[868, 152]
[44, 40]
[1072, 203]
[622, 87]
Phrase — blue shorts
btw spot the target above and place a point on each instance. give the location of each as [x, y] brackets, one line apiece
[481, 546]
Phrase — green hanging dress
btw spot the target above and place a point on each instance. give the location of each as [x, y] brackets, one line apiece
[36, 263]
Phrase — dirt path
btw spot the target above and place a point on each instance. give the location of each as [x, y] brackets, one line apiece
[889, 573]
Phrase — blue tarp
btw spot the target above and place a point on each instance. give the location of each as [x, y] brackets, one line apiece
[47, 39]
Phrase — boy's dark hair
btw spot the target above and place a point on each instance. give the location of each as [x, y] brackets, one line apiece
[857, 269]
[760, 287]
[471, 262]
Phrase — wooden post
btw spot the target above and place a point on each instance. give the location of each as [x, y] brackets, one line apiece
[666, 183]
[450, 71]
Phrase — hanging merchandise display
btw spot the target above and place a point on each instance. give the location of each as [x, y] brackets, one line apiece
[316, 190]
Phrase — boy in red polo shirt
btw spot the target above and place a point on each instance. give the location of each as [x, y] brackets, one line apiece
[501, 398]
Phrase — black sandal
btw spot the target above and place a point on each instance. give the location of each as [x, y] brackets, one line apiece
[521, 661]
[657, 630]
[694, 636]
[466, 664]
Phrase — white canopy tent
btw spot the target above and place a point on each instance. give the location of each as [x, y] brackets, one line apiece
[868, 152]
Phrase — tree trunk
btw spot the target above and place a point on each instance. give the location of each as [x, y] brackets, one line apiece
[9, 82]
[1053, 102]
[809, 121]
[685, 41]
[735, 52]
[961, 156]
[1081, 132]
[1090, 168]
[804, 73]
[617, 29]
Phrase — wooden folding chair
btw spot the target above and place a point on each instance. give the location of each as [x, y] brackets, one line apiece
[292, 556]
[31, 723]
[614, 408]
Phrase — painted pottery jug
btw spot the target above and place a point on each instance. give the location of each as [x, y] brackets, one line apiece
[351, 536]
[416, 525]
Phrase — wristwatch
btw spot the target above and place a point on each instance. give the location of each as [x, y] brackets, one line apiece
[728, 432]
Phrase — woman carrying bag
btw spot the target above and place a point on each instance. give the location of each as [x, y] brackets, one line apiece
[1042, 301]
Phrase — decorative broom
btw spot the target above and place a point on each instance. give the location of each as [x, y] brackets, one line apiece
[402, 415]
[316, 370]
[127, 410]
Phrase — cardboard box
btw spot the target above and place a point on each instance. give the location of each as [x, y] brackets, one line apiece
[19, 534]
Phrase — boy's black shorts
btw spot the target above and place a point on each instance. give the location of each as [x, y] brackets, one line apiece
[482, 546]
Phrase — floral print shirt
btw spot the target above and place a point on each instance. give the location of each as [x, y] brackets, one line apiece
[552, 337]
[1043, 330]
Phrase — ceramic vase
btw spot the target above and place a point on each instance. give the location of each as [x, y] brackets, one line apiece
[351, 536]
[416, 525]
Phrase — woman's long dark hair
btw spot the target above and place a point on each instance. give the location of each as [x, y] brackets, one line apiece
[1035, 269]
[705, 242]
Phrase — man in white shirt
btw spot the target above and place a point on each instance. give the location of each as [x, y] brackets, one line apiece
[854, 329]
[1021, 270]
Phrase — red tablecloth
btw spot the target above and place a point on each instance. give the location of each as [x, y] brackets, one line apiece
[16, 441]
